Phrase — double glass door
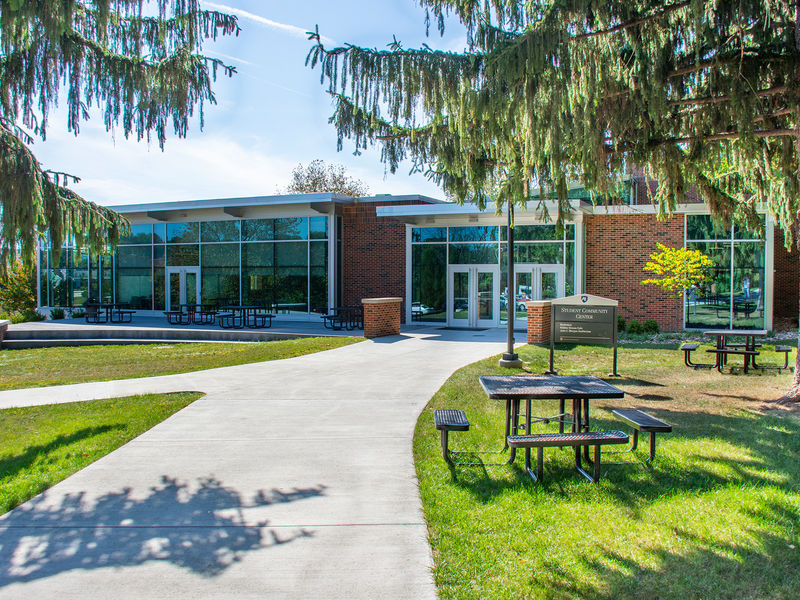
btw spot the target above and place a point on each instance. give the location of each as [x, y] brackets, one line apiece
[535, 282]
[473, 296]
[183, 286]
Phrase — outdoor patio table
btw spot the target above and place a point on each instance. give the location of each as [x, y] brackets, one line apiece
[722, 336]
[245, 311]
[578, 388]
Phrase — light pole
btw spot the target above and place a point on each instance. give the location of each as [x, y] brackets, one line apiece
[510, 359]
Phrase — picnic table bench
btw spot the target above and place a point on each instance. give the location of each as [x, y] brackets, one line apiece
[641, 421]
[540, 441]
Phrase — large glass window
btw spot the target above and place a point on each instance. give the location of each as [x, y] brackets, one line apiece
[734, 297]
[220, 231]
[220, 274]
[183, 233]
[319, 276]
[134, 272]
[428, 282]
[258, 274]
[140, 234]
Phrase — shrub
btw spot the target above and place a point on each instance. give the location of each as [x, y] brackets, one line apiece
[78, 313]
[18, 289]
[620, 324]
[635, 327]
[650, 326]
[57, 313]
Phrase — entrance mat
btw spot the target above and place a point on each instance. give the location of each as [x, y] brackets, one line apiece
[461, 329]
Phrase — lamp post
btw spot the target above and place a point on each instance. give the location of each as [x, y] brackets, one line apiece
[510, 359]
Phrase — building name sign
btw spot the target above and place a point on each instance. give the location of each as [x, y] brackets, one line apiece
[583, 319]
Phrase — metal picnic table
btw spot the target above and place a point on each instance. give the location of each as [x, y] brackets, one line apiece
[578, 388]
[722, 347]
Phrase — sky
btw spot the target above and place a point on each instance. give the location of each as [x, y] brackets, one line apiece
[271, 116]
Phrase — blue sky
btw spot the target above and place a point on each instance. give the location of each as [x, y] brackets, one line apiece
[268, 118]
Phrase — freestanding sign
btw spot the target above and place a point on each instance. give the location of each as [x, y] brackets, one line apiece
[583, 319]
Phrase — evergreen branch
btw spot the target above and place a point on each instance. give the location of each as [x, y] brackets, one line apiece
[780, 89]
[629, 24]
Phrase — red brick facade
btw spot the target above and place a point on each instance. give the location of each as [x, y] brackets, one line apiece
[374, 254]
[617, 248]
[786, 285]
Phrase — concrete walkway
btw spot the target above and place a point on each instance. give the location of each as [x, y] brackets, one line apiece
[289, 479]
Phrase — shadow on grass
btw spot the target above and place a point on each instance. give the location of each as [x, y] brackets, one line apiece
[204, 528]
[708, 568]
[12, 465]
[769, 447]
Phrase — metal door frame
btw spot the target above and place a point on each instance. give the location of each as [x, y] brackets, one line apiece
[472, 321]
[181, 271]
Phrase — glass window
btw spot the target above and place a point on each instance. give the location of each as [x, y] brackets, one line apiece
[710, 305]
[748, 285]
[704, 227]
[569, 231]
[569, 269]
[293, 228]
[220, 231]
[220, 255]
[538, 253]
[473, 234]
[428, 283]
[291, 277]
[742, 232]
[533, 233]
[318, 228]
[183, 255]
[429, 234]
[140, 234]
[319, 276]
[473, 254]
[258, 255]
[159, 233]
[258, 230]
[130, 257]
[183, 233]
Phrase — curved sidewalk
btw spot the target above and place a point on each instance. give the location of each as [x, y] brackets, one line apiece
[289, 479]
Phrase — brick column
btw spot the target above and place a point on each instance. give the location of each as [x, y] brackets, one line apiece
[538, 322]
[3, 326]
[381, 316]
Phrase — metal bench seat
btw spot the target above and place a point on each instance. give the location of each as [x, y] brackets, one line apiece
[540, 441]
[723, 352]
[687, 354]
[785, 350]
[641, 421]
[446, 421]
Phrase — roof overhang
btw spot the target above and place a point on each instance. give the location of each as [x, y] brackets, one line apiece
[469, 214]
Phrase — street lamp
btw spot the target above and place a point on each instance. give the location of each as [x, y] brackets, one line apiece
[510, 358]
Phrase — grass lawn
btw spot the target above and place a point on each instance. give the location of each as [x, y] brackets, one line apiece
[56, 366]
[41, 445]
[717, 516]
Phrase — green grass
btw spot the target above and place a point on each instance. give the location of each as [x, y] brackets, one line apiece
[717, 516]
[56, 366]
[41, 445]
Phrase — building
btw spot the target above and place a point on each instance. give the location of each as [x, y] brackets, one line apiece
[300, 254]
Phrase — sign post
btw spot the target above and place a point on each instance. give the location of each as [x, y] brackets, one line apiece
[583, 319]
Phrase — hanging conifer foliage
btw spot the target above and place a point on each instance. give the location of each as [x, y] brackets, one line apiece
[139, 62]
[700, 94]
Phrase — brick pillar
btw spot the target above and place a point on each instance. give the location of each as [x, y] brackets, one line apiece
[381, 316]
[538, 322]
[3, 327]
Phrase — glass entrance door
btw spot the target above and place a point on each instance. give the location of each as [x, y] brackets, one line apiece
[473, 296]
[183, 286]
[535, 282]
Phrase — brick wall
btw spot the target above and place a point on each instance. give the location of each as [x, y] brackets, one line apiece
[617, 248]
[382, 316]
[786, 285]
[374, 254]
[539, 322]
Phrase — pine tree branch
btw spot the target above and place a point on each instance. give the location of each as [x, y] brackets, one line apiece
[780, 89]
[627, 25]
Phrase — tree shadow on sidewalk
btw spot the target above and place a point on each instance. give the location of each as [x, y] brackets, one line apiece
[200, 527]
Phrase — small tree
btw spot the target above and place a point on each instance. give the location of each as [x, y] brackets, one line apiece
[319, 177]
[678, 269]
[18, 289]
